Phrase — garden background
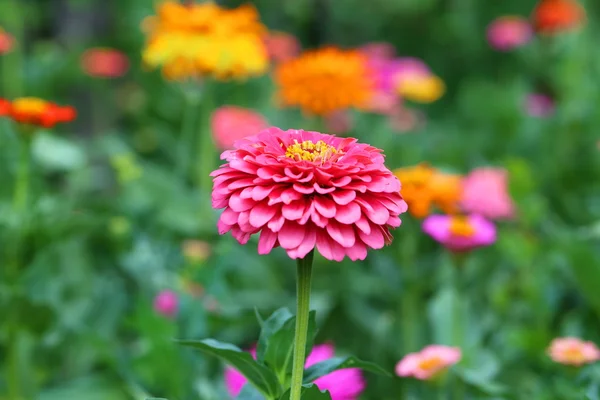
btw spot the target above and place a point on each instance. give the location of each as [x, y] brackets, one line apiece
[110, 221]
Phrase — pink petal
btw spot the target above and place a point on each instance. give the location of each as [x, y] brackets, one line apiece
[291, 235]
[267, 241]
[261, 214]
[325, 206]
[348, 214]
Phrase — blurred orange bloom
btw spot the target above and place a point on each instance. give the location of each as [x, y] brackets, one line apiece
[35, 111]
[104, 63]
[282, 46]
[6, 42]
[424, 187]
[323, 81]
[194, 40]
[555, 16]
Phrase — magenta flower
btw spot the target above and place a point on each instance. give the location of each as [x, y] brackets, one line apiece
[166, 303]
[540, 105]
[302, 190]
[460, 233]
[231, 123]
[428, 363]
[485, 192]
[508, 32]
[573, 351]
[344, 384]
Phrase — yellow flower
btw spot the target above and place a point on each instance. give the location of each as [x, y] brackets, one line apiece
[422, 89]
[199, 40]
[323, 81]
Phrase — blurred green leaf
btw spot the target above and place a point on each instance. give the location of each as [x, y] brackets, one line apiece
[57, 154]
[309, 392]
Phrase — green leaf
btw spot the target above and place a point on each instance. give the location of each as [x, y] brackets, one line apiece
[257, 374]
[56, 153]
[309, 392]
[280, 347]
[249, 392]
[333, 364]
[269, 327]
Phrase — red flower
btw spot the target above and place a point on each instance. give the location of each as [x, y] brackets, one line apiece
[554, 16]
[303, 190]
[4, 107]
[282, 46]
[104, 63]
[34, 111]
[6, 42]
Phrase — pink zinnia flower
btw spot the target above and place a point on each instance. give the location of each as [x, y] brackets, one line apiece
[508, 32]
[6, 42]
[344, 384]
[303, 189]
[104, 63]
[166, 303]
[540, 105]
[460, 233]
[428, 363]
[573, 351]
[485, 192]
[230, 124]
[282, 46]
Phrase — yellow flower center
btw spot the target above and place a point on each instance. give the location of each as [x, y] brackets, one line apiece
[30, 105]
[432, 363]
[460, 226]
[574, 355]
[309, 151]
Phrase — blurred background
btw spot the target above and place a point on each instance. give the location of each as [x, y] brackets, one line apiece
[113, 250]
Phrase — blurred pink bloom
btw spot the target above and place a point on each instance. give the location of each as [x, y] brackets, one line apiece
[429, 362]
[403, 119]
[166, 303]
[573, 351]
[460, 233]
[378, 50]
[104, 63]
[508, 32]
[231, 123]
[485, 192]
[339, 122]
[6, 42]
[282, 46]
[303, 190]
[540, 105]
[344, 384]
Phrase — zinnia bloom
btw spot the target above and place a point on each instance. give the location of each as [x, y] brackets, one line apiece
[6, 42]
[421, 89]
[424, 187]
[508, 32]
[344, 384]
[573, 351]
[555, 16]
[166, 303]
[282, 46]
[460, 233]
[35, 111]
[323, 81]
[231, 123]
[428, 363]
[485, 192]
[539, 105]
[104, 63]
[303, 189]
[194, 40]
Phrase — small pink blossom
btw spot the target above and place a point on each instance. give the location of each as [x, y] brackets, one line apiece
[573, 351]
[460, 233]
[429, 363]
[104, 63]
[166, 303]
[232, 123]
[378, 50]
[344, 384]
[508, 32]
[303, 190]
[485, 192]
[540, 105]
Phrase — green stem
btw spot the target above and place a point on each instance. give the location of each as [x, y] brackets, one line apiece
[22, 182]
[12, 63]
[186, 140]
[304, 270]
[14, 362]
[206, 150]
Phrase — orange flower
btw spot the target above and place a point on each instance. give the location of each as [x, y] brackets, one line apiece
[34, 111]
[6, 42]
[194, 40]
[324, 81]
[554, 16]
[424, 187]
